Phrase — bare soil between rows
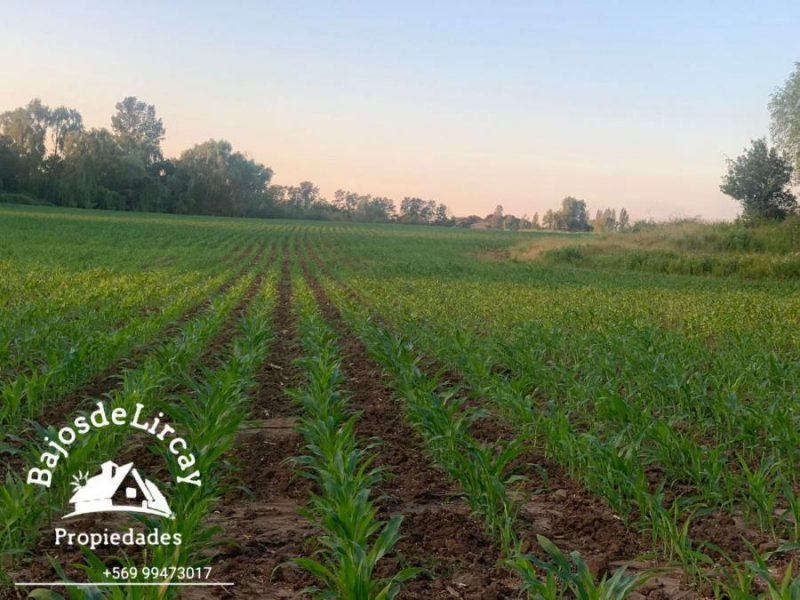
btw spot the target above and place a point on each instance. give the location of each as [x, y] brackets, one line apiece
[260, 517]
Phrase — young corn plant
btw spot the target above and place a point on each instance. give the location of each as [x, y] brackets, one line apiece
[354, 539]
[569, 576]
[780, 586]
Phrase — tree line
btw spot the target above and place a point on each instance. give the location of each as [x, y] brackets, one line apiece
[48, 154]
[572, 216]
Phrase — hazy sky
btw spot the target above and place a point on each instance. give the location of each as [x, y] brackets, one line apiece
[631, 104]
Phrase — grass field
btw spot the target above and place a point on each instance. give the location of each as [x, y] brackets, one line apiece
[394, 410]
[769, 251]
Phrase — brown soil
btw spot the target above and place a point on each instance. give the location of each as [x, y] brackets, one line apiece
[438, 532]
[263, 521]
[556, 506]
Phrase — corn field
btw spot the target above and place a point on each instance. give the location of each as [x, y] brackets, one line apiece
[383, 412]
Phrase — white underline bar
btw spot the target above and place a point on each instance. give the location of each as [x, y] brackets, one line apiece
[128, 583]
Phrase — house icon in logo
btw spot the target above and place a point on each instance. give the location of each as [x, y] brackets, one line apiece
[118, 489]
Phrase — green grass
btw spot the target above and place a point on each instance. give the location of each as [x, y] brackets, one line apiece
[22, 199]
[769, 251]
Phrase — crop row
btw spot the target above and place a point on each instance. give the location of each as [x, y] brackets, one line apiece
[353, 539]
[63, 350]
[24, 508]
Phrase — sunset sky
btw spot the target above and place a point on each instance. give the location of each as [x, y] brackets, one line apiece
[632, 104]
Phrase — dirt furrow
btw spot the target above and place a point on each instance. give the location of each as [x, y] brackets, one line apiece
[263, 522]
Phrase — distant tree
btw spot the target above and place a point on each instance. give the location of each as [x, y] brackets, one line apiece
[549, 219]
[573, 215]
[9, 165]
[382, 208]
[511, 223]
[63, 122]
[535, 221]
[346, 202]
[610, 219]
[26, 127]
[784, 108]
[416, 210]
[760, 180]
[138, 128]
[304, 196]
[497, 221]
[467, 221]
[624, 220]
[374, 210]
[99, 173]
[605, 220]
[363, 208]
[440, 215]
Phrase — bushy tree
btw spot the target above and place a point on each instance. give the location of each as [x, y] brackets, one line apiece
[99, 173]
[784, 109]
[63, 122]
[139, 129]
[26, 127]
[9, 165]
[418, 211]
[574, 216]
[760, 180]
[212, 179]
[605, 220]
[496, 219]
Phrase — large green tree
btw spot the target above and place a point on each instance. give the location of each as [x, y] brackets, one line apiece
[28, 133]
[99, 173]
[784, 108]
[212, 179]
[139, 129]
[63, 122]
[760, 180]
[573, 215]
[9, 165]
[26, 127]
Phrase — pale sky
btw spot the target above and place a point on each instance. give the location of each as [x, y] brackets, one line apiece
[632, 104]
